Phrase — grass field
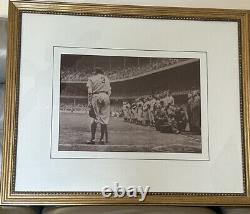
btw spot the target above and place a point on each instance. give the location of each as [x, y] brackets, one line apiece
[123, 137]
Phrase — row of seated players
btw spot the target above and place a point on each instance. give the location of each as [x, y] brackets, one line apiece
[161, 112]
[81, 72]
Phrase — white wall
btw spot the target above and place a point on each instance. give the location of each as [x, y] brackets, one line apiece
[239, 4]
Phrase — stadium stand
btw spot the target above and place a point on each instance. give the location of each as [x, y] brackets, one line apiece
[140, 80]
[79, 71]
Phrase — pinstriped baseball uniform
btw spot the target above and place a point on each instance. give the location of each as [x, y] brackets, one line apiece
[99, 87]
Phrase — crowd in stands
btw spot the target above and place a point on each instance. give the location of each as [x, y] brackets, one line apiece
[81, 72]
[161, 112]
[71, 107]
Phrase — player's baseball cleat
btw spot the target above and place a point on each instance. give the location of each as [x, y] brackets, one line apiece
[90, 141]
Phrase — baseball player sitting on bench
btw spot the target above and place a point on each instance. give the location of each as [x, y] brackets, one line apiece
[99, 91]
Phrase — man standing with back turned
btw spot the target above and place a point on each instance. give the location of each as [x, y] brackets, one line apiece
[99, 91]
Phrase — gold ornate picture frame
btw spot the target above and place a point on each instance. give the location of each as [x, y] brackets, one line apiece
[41, 34]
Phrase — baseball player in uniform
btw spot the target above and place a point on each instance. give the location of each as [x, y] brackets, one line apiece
[99, 91]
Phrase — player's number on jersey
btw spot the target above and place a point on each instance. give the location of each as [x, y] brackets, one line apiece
[103, 79]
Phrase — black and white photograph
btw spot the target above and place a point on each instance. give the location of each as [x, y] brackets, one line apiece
[129, 104]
